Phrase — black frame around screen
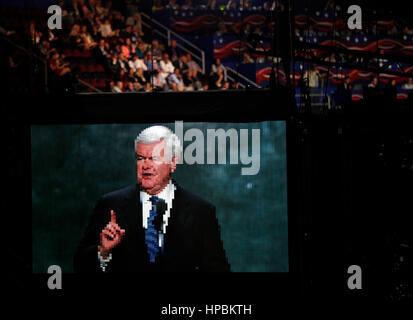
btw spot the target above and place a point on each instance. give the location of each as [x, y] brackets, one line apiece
[244, 106]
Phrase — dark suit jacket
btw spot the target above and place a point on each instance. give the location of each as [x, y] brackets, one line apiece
[192, 240]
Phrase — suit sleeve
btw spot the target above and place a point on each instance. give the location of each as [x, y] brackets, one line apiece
[86, 258]
[213, 254]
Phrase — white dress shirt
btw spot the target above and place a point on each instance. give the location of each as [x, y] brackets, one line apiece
[167, 194]
[138, 63]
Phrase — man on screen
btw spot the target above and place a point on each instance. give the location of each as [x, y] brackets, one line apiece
[154, 225]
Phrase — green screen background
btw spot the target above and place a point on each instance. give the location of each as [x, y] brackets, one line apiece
[73, 165]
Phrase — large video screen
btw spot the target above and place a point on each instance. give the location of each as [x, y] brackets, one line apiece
[238, 170]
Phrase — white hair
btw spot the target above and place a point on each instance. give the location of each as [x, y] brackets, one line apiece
[156, 134]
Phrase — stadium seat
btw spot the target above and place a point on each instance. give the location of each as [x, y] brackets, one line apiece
[86, 54]
[99, 68]
[77, 53]
[101, 83]
[94, 83]
[83, 68]
[91, 68]
[68, 52]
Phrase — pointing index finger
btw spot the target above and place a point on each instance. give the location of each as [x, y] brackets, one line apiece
[112, 216]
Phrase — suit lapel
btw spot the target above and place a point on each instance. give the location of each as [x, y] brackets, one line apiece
[132, 222]
[178, 218]
[132, 209]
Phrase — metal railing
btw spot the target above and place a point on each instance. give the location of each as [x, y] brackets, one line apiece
[238, 75]
[168, 33]
[26, 51]
[89, 85]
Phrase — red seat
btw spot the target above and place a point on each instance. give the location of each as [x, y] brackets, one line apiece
[82, 68]
[99, 68]
[86, 54]
[91, 68]
[77, 53]
[68, 52]
[94, 83]
[101, 83]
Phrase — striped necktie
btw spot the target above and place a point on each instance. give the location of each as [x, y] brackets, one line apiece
[151, 234]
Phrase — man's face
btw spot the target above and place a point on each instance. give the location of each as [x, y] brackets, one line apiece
[153, 168]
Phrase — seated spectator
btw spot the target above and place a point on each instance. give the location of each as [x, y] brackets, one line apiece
[205, 86]
[173, 51]
[44, 47]
[231, 5]
[159, 82]
[114, 64]
[51, 37]
[157, 5]
[59, 67]
[123, 62]
[127, 49]
[176, 81]
[135, 20]
[140, 50]
[106, 31]
[99, 9]
[408, 85]
[181, 63]
[95, 34]
[137, 63]
[187, 5]
[126, 33]
[131, 76]
[156, 50]
[218, 65]
[112, 86]
[247, 5]
[217, 79]
[374, 83]
[130, 87]
[74, 36]
[140, 77]
[122, 76]
[172, 5]
[236, 85]
[166, 66]
[103, 47]
[76, 10]
[151, 64]
[194, 68]
[246, 58]
[90, 20]
[225, 85]
[118, 88]
[87, 40]
[118, 21]
[312, 77]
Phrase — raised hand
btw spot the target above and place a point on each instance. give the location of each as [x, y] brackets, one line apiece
[110, 236]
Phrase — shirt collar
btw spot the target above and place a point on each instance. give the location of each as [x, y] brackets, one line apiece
[165, 194]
